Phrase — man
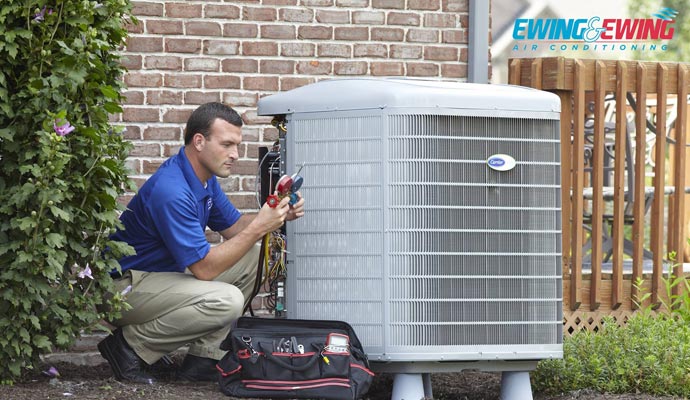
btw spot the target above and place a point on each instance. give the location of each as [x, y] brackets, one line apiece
[183, 291]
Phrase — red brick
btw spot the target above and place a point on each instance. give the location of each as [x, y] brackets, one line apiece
[317, 3]
[145, 150]
[226, 47]
[248, 183]
[243, 201]
[289, 83]
[140, 44]
[352, 3]
[279, 2]
[371, 50]
[163, 133]
[401, 51]
[203, 28]
[335, 50]
[134, 28]
[221, 82]
[454, 36]
[258, 14]
[387, 34]
[454, 70]
[139, 182]
[221, 11]
[229, 184]
[295, 15]
[351, 33]
[163, 62]
[165, 27]
[251, 150]
[142, 8]
[124, 199]
[394, 4]
[463, 54]
[401, 18]
[142, 79]
[422, 69]
[202, 64]
[270, 134]
[177, 115]
[260, 83]
[140, 114]
[429, 5]
[351, 68]
[332, 17]
[130, 61]
[240, 65]
[240, 30]
[455, 5]
[440, 20]
[131, 132]
[314, 67]
[437, 53]
[422, 35]
[170, 150]
[279, 67]
[133, 97]
[246, 167]
[297, 49]
[278, 32]
[250, 134]
[182, 45]
[315, 32]
[368, 17]
[149, 167]
[240, 99]
[163, 97]
[182, 81]
[259, 49]
[114, 118]
[193, 97]
[182, 10]
[387, 69]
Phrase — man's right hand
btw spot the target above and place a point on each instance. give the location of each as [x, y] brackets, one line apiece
[270, 219]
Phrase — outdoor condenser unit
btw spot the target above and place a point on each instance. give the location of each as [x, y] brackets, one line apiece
[433, 222]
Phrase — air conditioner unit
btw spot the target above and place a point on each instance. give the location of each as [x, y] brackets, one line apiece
[433, 221]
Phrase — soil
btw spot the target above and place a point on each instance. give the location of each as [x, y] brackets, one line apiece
[96, 382]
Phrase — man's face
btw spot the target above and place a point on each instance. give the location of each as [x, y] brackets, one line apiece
[221, 148]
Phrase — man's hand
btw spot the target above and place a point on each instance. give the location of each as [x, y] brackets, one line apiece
[270, 219]
[297, 210]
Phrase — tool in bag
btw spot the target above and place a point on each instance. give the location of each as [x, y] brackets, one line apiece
[294, 359]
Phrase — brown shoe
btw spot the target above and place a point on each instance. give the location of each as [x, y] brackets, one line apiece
[125, 363]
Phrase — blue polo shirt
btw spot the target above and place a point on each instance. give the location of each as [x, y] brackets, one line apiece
[166, 220]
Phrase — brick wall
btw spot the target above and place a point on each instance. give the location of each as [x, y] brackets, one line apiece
[185, 53]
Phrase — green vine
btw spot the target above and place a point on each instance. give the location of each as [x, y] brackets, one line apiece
[62, 169]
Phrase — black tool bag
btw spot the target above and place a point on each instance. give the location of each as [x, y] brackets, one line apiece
[288, 358]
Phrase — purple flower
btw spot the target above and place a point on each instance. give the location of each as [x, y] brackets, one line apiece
[40, 16]
[51, 372]
[86, 273]
[64, 129]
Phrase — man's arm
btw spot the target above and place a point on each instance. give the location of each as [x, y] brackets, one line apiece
[240, 240]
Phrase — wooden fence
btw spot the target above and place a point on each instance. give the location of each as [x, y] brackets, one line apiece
[613, 190]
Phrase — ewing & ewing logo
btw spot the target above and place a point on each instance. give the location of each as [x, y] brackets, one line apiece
[595, 32]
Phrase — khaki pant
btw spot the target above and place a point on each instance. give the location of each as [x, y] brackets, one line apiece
[171, 309]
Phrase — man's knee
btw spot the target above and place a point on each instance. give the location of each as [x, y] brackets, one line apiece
[224, 305]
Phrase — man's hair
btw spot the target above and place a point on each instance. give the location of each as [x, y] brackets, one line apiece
[202, 118]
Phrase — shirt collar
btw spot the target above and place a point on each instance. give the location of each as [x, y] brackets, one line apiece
[192, 180]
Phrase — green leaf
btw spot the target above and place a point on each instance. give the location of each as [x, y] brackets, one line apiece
[42, 342]
[109, 92]
[55, 240]
[59, 213]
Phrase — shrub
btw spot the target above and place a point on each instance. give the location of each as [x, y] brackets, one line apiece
[62, 168]
[649, 354]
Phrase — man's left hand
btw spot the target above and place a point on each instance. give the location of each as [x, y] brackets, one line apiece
[296, 210]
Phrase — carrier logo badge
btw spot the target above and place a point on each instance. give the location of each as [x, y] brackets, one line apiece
[501, 162]
[209, 204]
